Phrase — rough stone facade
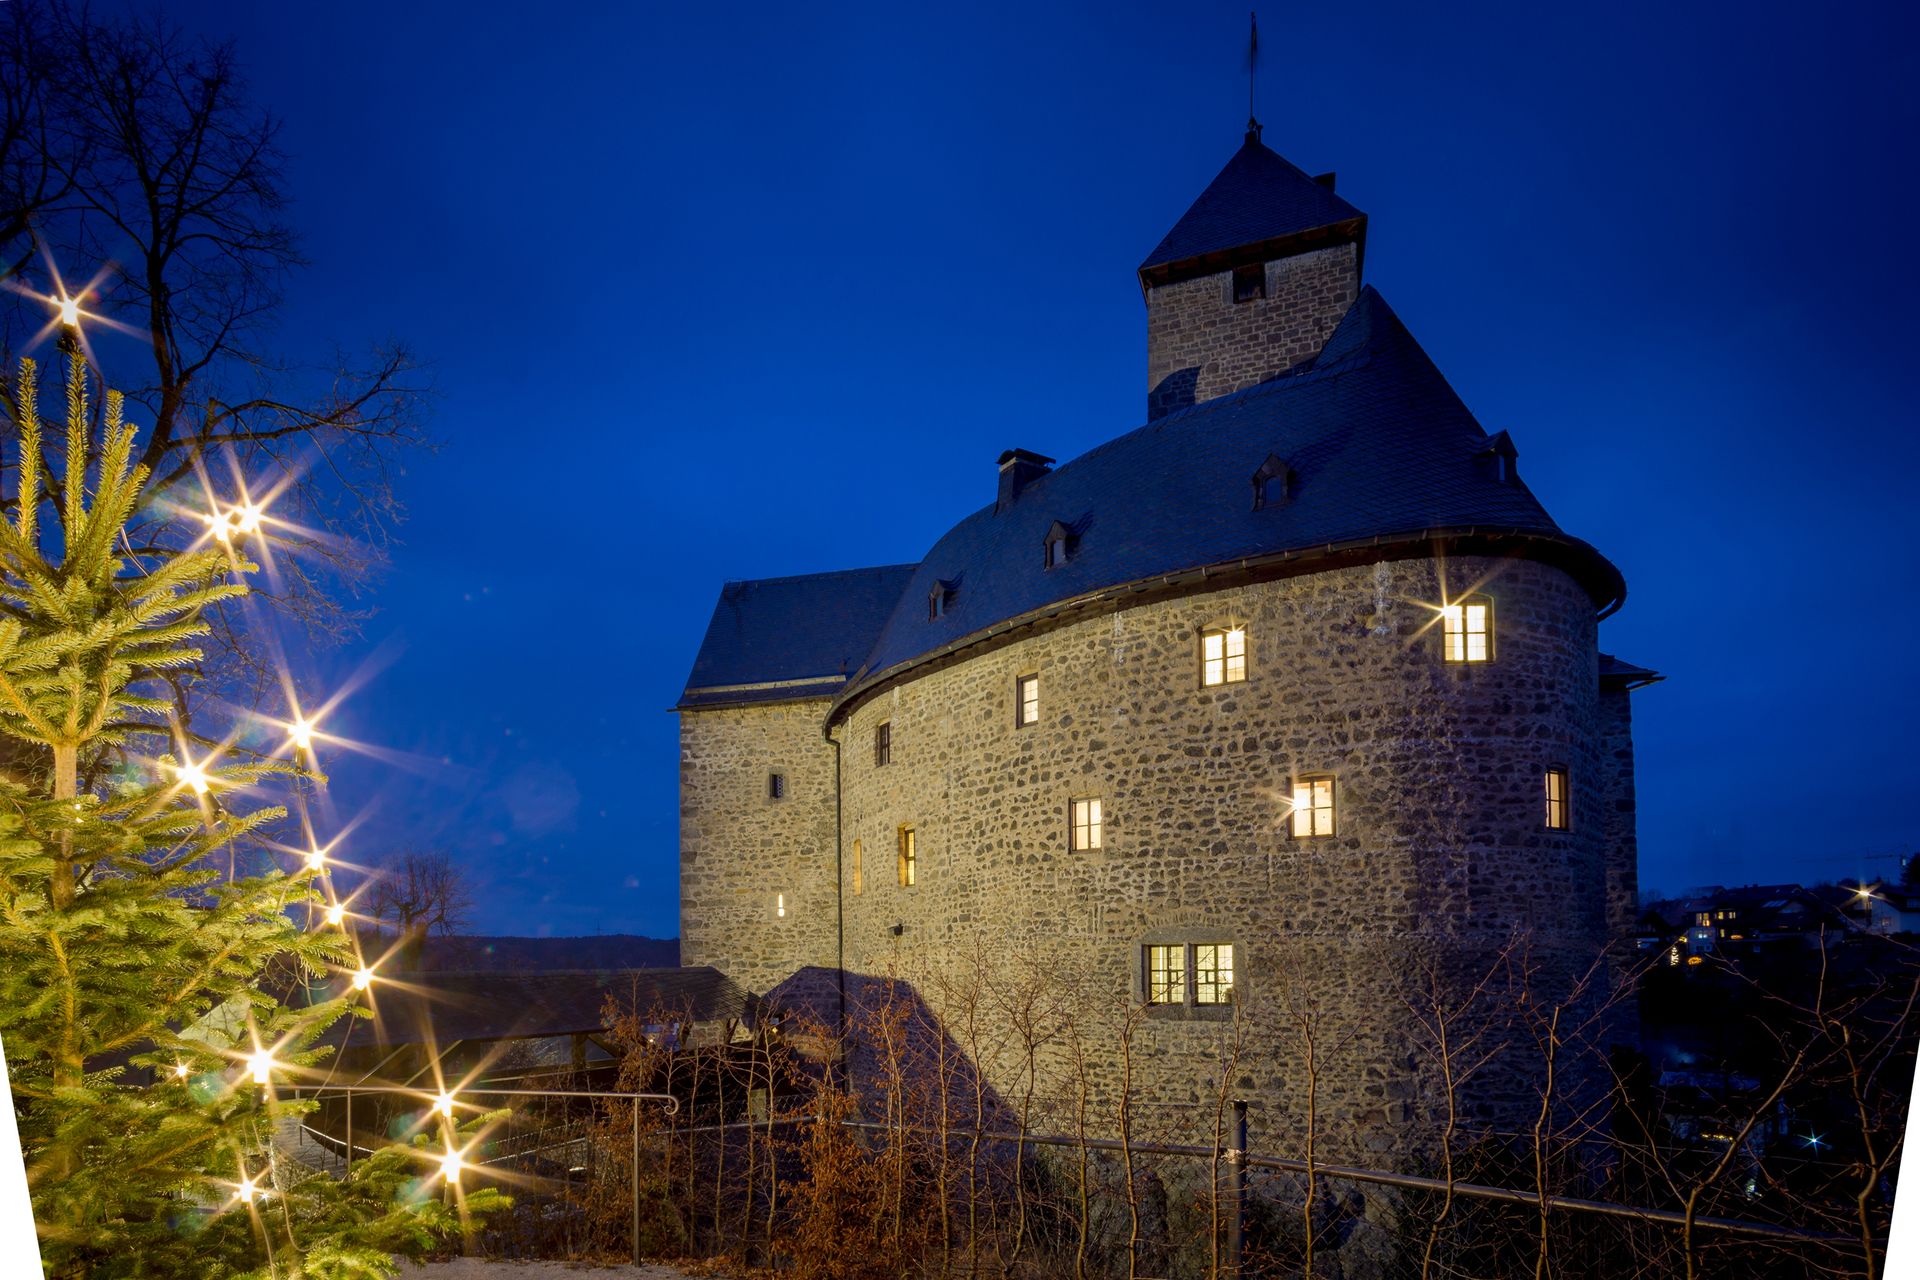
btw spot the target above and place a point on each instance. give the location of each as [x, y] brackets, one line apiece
[1196, 324]
[740, 849]
[1441, 850]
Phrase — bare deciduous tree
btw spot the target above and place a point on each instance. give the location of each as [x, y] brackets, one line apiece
[419, 892]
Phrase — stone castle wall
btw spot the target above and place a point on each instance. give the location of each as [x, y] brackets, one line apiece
[740, 849]
[1197, 324]
[1441, 852]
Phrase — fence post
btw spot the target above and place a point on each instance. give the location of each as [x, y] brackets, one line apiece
[1237, 1164]
[636, 1182]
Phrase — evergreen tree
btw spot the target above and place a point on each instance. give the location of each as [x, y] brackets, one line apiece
[133, 991]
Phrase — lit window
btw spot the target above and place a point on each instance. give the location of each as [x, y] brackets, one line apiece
[1026, 700]
[909, 859]
[776, 786]
[1705, 919]
[1558, 818]
[858, 874]
[1468, 627]
[1213, 973]
[1086, 824]
[1166, 975]
[780, 905]
[883, 743]
[1249, 282]
[1313, 807]
[1223, 656]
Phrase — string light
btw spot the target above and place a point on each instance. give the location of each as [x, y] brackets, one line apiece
[247, 1190]
[444, 1104]
[260, 1066]
[450, 1166]
[70, 312]
[303, 735]
[195, 776]
[181, 1070]
[336, 914]
[247, 518]
[362, 978]
[316, 859]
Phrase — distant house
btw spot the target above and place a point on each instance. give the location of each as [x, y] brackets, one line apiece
[1742, 920]
[1893, 908]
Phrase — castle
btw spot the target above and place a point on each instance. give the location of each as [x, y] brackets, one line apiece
[1292, 683]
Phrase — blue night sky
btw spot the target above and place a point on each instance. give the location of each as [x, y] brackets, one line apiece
[739, 291]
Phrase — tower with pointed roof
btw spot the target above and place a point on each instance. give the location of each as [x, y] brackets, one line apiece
[1289, 691]
[1250, 281]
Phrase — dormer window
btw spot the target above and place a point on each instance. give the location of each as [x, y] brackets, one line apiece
[1250, 282]
[1058, 538]
[1467, 630]
[1497, 459]
[1272, 483]
[938, 597]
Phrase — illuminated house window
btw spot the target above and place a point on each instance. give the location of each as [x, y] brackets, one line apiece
[1705, 919]
[1086, 824]
[776, 786]
[1249, 282]
[1223, 656]
[1313, 807]
[1213, 973]
[909, 858]
[1558, 814]
[1166, 975]
[1026, 701]
[780, 905]
[858, 873]
[883, 743]
[1468, 628]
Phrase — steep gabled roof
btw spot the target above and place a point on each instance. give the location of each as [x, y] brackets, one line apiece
[1260, 203]
[1380, 448]
[776, 639]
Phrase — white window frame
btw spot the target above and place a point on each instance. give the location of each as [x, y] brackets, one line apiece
[1223, 656]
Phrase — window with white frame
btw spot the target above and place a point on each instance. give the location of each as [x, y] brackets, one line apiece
[1213, 973]
[1223, 655]
[1313, 806]
[1026, 701]
[1467, 630]
[1087, 821]
[1166, 974]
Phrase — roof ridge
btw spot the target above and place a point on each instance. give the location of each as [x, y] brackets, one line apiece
[824, 573]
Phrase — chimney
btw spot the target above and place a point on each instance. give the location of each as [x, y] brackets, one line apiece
[1018, 469]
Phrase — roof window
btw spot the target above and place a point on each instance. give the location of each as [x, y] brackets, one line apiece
[1272, 483]
[1059, 545]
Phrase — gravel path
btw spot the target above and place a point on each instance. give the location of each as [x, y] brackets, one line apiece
[481, 1269]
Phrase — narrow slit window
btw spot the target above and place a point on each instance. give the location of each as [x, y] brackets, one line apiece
[1087, 823]
[1559, 815]
[1468, 629]
[858, 874]
[909, 858]
[883, 743]
[1026, 702]
[1213, 973]
[1223, 656]
[776, 786]
[1166, 974]
[780, 905]
[1313, 807]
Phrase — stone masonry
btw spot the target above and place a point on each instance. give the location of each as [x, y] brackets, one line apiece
[1197, 324]
[1441, 850]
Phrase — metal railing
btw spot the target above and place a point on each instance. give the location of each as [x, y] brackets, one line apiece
[349, 1091]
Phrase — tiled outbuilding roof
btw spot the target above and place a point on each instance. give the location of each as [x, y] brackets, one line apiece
[776, 639]
[1259, 199]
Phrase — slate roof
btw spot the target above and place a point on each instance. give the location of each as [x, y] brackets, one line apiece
[1380, 449]
[804, 635]
[1258, 198]
[1621, 674]
[443, 1008]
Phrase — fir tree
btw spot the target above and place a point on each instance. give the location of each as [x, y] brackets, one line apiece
[132, 991]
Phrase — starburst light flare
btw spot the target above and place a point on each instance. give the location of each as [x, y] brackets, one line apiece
[336, 915]
[362, 978]
[260, 1065]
